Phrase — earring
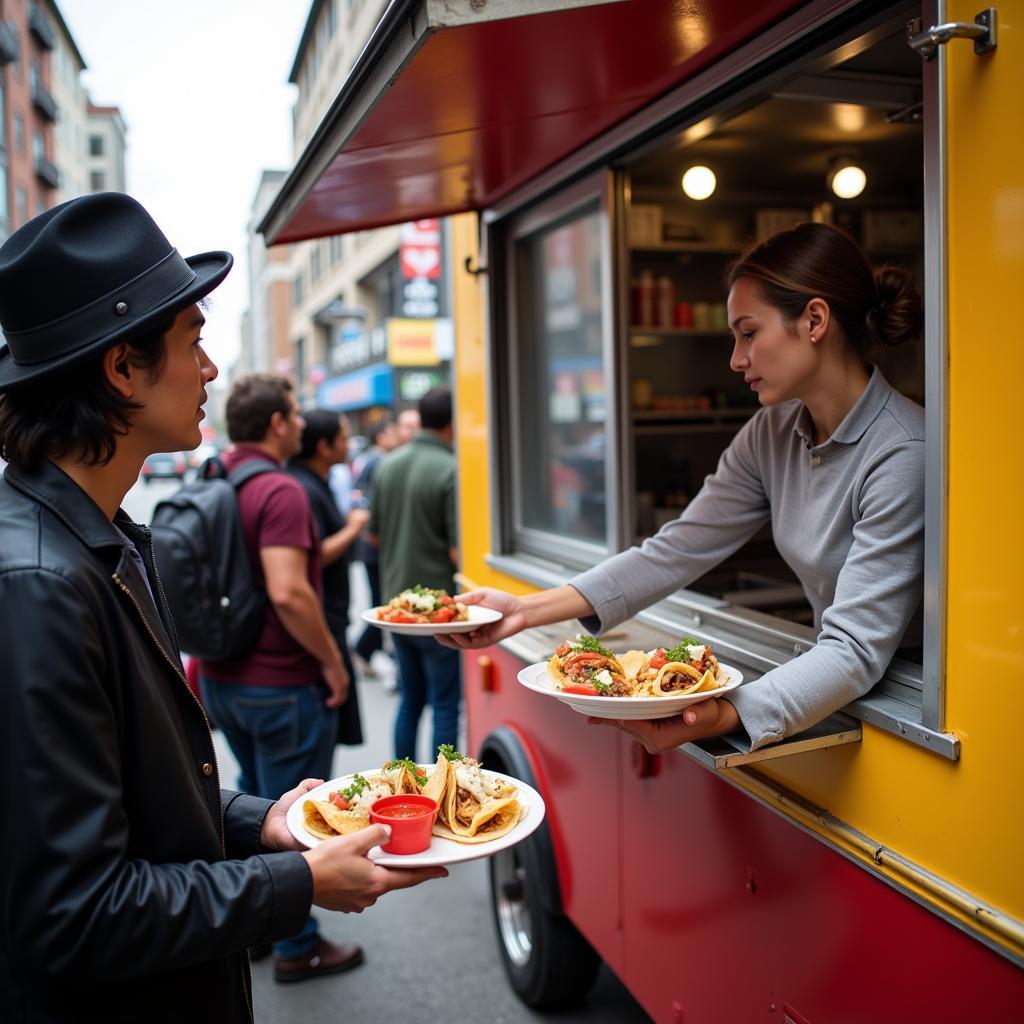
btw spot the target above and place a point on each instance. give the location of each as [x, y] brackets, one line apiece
[812, 339]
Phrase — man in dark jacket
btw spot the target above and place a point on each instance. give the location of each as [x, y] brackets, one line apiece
[130, 883]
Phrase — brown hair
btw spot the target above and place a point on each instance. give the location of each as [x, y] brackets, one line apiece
[252, 403]
[820, 261]
[75, 409]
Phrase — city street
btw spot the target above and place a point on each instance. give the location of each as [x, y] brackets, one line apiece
[431, 953]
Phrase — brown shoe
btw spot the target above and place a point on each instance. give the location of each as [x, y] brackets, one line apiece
[324, 958]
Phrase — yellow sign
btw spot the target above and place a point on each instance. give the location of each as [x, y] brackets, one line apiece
[412, 342]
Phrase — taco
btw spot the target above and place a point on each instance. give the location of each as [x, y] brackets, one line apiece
[584, 665]
[473, 806]
[674, 679]
[405, 775]
[346, 810]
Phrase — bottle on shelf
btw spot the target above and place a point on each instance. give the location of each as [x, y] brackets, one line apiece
[666, 301]
[644, 300]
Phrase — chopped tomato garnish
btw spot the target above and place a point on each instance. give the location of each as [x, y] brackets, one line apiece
[445, 599]
[396, 616]
[443, 615]
[339, 801]
[589, 691]
[659, 659]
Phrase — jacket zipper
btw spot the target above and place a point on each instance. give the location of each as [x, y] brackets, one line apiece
[177, 671]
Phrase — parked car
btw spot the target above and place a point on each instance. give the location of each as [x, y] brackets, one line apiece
[168, 465]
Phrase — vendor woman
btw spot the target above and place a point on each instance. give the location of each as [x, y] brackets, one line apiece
[834, 459]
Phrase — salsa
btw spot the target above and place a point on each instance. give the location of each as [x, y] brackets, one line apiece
[398, 810]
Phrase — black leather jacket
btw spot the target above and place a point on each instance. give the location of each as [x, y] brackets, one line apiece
[117, 898]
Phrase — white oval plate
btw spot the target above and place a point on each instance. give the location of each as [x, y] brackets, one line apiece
[478, 616]
[440, 851]
[535, 677]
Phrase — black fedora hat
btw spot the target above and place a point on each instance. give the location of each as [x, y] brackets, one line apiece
[86, 275]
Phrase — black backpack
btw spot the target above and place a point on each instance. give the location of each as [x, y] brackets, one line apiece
[204, 564]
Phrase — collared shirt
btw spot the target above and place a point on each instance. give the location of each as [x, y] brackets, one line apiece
[413, 514]
[847, 516]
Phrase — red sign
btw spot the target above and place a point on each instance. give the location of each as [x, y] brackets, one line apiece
[420, 253]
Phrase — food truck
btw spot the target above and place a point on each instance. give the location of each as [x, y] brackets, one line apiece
[869, 868]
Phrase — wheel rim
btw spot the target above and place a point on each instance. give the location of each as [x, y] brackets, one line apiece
[508, 883]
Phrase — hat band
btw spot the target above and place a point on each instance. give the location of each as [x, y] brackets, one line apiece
[107, 314]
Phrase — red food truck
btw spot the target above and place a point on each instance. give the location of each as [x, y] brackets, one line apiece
[869, 868]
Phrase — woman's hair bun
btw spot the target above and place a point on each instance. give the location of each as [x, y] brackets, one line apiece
[898, 314]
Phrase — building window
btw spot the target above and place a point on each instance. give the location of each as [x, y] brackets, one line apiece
[97, 181]
[38, 147]
[20, 206]
[5, 212]
[314, 263]
[95, 145]
[297, 290]
[35, 76]
[335, 247]
[19, 133]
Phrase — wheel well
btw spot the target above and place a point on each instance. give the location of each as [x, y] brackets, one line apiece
[503, 751]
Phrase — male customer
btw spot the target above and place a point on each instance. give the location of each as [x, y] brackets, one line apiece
[412, 520]
[120, 895]
[325, 444]
[385, 438]
[276, 705]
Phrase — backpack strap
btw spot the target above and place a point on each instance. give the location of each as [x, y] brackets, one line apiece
[245, 472]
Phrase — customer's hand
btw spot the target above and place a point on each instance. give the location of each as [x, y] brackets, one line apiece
[358, 518]
[513, 619]
[275, 835]
[708, 718]
[344, 878]
[337, 680]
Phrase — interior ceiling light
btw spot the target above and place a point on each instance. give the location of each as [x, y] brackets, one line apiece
[699, 182]
[846, 177]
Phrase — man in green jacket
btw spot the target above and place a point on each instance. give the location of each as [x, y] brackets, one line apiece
[412, 521]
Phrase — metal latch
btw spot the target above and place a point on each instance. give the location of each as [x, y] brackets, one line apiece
[982, 30]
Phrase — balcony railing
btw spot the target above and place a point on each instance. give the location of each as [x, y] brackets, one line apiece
[39, 25]
[44, 103]
[46, 172]
[9, 48]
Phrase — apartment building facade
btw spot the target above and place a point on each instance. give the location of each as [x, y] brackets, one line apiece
[368, 331]
[106, 149]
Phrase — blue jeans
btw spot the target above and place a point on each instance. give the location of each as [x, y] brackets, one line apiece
[427, 674]
[279, 735]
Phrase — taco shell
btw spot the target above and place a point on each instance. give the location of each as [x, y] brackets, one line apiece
[325, 821]
[707, 682]
[555, 671]
[672, 668]
[437, 785]
[496, 825]
[471, 820]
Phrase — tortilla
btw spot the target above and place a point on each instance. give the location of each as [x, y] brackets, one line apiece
[464, 818]
[325, 821]
[437, 784]
[707, 682]
[676, 668]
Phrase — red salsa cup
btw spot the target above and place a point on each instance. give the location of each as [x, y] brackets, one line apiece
[411, 818]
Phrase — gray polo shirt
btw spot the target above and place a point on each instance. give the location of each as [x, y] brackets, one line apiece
[847, 516]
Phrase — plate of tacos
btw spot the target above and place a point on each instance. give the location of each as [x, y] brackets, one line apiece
[479, 811]
[425, 611]
[595, 681]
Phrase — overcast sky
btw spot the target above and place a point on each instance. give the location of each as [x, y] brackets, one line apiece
[203, 87]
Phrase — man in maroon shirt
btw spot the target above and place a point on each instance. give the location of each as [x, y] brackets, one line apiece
[276, 706]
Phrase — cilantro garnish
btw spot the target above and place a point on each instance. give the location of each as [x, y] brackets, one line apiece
[601, 688]
[449, 752]
[407, 762]
[356, 787]
[584, 642]
[680, 652]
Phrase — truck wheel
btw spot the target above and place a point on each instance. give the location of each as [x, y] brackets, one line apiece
[548, 962]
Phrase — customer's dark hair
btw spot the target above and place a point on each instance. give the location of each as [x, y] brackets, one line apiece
[76, 410]
[321, 425]
[820, 261]
[379, 426]
[436, 409]
[252, 403]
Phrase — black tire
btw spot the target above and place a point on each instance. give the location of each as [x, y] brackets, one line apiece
[548, 962]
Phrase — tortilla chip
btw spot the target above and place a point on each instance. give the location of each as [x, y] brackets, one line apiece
[633, 664]
[325, 821]
[676, 668]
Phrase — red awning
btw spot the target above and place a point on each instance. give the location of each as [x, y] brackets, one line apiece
[443, 116]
